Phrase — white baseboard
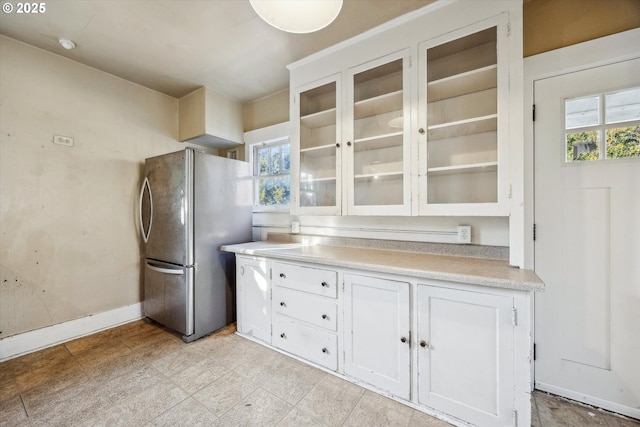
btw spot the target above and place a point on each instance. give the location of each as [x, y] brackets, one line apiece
[590, 400]
[28, 342]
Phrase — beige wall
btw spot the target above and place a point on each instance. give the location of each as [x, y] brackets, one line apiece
[68, 235]
[267, 111]
[552, 24]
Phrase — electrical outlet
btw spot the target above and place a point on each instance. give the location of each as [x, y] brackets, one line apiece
[464, 234]
[63, 140]
[295, 226]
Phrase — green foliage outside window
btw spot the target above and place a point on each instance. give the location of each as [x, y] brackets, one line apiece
[272, 170]
[621, 142]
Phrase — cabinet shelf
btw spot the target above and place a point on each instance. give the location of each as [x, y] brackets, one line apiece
[382, 175]
[463, 83]
[319, 151]
[319, 119]
[460, 169]
[378, 105]
[312, 180]
[378, 142]
[464, 127]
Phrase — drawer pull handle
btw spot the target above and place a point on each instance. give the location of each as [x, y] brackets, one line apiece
[423, 344]
[325, 285]
[282, 304]
[282, 335]
[324, 316]
[421, 131]
[284, 276]
[325, 351]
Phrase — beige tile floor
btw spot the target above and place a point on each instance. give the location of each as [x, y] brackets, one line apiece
[142, 375]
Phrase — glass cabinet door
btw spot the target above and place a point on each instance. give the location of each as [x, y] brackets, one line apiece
[378, 173]
[459, 105]
[318, 168]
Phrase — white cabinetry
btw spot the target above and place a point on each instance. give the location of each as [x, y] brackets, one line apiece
[316, 184]
[465, 362]
[462, 106]
[253, 293]
[305, 313]
[377, 333]
[459, 350]
[420, 113]
[354, 161]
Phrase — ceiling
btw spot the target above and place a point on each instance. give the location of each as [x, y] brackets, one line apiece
[175, 46]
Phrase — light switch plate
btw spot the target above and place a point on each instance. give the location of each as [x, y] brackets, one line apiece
[63, 140]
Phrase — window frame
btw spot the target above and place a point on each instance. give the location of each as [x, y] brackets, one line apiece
[256, 177]
[601, 128]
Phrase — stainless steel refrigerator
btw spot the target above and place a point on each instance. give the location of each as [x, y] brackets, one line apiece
[192, 203]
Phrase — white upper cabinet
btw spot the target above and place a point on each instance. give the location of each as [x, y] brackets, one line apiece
[316, 150]
[418, 117]
[378, 150]
[463, 121]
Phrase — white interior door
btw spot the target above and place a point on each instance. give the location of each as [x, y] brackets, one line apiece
[587, 248]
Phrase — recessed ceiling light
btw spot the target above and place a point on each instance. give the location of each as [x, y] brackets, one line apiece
[66, 43]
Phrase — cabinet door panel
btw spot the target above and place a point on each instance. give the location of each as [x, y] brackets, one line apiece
[377, 156]
[309, 308]
[254, 298]
[376, 320]
[315, 163]
[465, 361]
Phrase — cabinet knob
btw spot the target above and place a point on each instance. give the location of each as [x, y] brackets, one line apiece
[421, 131]
[404, 339]
[423, 344]
[325, 351]
[349, 143]
[338, 144]
[325, 285]
[324, 316]
[282, 304]
[284, 276]
[282, 335]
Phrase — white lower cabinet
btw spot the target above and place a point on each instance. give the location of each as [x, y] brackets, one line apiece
[305, 313]
[253, 293]
[465, 354]
[456, 350]
[377, 333]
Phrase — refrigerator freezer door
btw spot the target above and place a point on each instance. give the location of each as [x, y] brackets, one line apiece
[166, 202]
[168, 295]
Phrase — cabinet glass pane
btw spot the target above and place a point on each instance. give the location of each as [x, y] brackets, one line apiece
[318, 146]
[462, 120]
[378, 136]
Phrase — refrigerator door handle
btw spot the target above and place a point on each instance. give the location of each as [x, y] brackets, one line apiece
[145, 184]
[165, 270]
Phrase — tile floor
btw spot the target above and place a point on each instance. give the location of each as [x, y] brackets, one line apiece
[141, 375]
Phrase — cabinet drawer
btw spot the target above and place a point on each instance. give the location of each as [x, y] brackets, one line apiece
[307, 279]
[309, 308]
[306, 341]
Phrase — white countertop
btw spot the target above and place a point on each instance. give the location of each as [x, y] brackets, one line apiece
[475, 271]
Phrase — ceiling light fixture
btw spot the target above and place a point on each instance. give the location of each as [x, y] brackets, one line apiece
[297, 16]
[66, 43]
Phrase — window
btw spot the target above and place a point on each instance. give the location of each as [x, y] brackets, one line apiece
[612, 117]
[271, 163]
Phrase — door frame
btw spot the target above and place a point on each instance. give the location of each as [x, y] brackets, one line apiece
[603, 51]
[582, 56]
